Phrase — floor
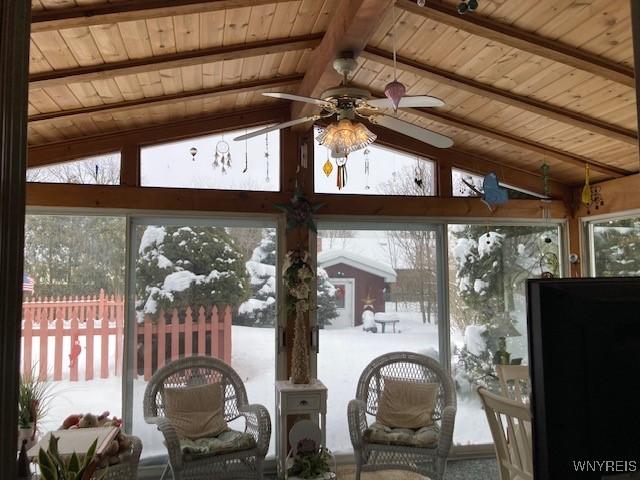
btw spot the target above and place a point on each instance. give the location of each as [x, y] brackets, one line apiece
[485, 469]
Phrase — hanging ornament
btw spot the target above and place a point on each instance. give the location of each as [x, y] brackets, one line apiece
[266, 156]
[417, 179]
[467, 6]
[299, 211]
[327, 168]
[97, 170]
[422, 3]
[395, 90]
[222, 157]
[545, 180]
[586, 190]
[193, 151]
[342, 172]
[366, 167]
[246, 154]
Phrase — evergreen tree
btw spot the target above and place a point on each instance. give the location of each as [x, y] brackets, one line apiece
[260, 309]
[492, 266]
[188, 266]
[617, 248]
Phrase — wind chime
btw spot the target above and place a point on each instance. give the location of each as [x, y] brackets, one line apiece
[341, 181]
[222, 157]
[591, 196]
[366, 168]
[266, 156]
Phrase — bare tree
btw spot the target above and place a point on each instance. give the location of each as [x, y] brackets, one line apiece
[337, 239]
[102, 170]
[414, 248]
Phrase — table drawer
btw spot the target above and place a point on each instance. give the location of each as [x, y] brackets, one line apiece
[303, 403]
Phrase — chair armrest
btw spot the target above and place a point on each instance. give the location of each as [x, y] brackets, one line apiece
[258, 424]
[357, 416]
[446, 430]
[170, 438]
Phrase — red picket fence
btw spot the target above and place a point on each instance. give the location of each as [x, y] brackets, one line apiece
[99, 319]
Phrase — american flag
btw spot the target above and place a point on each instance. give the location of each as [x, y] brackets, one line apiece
[28, 284]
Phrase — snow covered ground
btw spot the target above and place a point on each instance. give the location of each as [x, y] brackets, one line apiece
[343, 355]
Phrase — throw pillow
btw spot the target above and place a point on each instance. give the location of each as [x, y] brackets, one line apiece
[406, 404]
[196, 412]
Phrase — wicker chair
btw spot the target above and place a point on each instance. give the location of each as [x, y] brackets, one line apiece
[411, 367]
[241, 464]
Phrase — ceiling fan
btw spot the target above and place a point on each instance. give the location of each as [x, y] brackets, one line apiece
[349, 103]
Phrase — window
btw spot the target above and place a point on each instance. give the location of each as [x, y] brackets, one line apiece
[203, 287]
[488, 269]
[73, 312]
[375, 170]
[378, 292]
[615, 248]
[214, 162]
[98, 170]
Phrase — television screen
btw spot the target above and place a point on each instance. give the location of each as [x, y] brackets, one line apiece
[584, 346]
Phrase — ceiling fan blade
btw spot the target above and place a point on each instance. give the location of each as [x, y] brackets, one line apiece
[419, 133]
[408, 102]
[298, 98]
[279, 126]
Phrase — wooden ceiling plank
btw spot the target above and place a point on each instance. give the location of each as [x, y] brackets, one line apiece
[131, 10]
[635, 24]
[525, 103]
[172, 99]
[352, 25]
[175, 60]
[522, 40]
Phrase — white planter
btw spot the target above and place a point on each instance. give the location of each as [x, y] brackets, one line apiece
[26, 434]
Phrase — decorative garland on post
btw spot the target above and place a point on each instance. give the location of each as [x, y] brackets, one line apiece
[298, 277]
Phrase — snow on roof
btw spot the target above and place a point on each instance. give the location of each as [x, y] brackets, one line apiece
[333, 257]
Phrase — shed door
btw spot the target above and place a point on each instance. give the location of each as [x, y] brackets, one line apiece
[345, 305]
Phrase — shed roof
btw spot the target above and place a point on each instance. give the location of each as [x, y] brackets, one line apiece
[374, 267]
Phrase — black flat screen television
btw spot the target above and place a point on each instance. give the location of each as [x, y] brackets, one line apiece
[584, 347]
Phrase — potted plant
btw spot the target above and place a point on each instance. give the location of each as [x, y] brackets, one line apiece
[33, 402]
[54, 467]
[311, 462]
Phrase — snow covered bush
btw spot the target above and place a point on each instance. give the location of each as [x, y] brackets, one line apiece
[188, 266]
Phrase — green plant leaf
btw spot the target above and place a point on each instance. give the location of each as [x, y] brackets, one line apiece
[47, 466]
[74, 463]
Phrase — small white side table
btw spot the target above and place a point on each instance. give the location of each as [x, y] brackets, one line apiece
[308, 401]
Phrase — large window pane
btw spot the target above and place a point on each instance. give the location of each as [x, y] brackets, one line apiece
[616, 248]
[98, 170]
[488, 267]
[203, 290]
[73, 312]
[380, 296]
[214, 161]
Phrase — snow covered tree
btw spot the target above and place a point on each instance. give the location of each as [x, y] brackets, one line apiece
[617, 248]
[188, 266]
[492, 266]
[260, 309]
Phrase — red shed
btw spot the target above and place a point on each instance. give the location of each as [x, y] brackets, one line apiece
[358, 280]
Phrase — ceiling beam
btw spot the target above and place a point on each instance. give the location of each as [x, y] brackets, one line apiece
[532, 105]
[522, 40]
[130, 10]
[195, 126]
[635, 28]
[446, 118]
[352, 25]
[175, 60]
[181, 97]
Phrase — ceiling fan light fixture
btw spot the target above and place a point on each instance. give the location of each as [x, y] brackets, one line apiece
[345, 136]
[394, 91]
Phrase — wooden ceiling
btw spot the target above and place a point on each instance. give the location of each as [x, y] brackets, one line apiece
[524, 82]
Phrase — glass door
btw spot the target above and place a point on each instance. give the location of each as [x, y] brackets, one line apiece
[201, 287]
[379, 290]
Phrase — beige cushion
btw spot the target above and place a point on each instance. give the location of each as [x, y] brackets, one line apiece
[227, 442]
[407, 404]
[425, 437]
[196, 412]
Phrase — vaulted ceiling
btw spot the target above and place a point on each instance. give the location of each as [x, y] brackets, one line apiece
[524, 82]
